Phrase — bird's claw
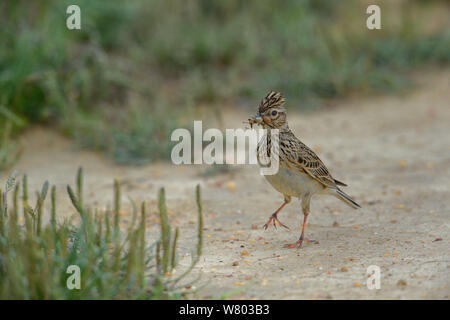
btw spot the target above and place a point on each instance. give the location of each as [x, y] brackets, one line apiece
[274, 220]
[298, 244]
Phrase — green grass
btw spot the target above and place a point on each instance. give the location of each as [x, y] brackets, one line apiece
[9, 149]
[114, 263]
[138, 69]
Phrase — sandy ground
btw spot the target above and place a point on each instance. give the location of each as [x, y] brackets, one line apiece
[392, 151]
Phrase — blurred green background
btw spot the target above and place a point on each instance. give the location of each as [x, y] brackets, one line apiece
[138, 69]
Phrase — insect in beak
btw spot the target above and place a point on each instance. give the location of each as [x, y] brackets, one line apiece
[254, 120]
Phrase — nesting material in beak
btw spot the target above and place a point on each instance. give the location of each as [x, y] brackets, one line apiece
[255, 120]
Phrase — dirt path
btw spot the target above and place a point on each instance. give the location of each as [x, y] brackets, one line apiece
[392, 151]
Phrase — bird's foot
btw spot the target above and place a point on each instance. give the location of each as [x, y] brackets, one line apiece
[274, 220]
[299, 243]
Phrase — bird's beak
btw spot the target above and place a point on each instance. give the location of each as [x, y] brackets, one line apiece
[255, 120]
[266, 119]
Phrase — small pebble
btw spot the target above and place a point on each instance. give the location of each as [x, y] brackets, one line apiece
[401, 283]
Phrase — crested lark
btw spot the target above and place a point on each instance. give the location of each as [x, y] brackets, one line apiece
[301, 173]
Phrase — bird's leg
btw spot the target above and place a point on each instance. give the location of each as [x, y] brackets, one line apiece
[302, 238]
[273, 218]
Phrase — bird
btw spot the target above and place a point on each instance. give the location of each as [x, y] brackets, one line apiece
[301, 174]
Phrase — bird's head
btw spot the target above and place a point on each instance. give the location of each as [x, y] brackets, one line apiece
[271, 113]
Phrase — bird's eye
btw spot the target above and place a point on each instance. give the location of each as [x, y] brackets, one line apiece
[274, 113]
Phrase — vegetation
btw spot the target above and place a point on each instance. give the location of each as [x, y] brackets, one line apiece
[34, 256]
[138, 69]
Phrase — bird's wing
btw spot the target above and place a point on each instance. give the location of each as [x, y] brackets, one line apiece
[301, 157]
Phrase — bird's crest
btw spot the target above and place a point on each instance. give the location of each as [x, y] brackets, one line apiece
[272, 99]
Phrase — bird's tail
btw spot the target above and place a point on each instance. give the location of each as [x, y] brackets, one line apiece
[346, 198]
